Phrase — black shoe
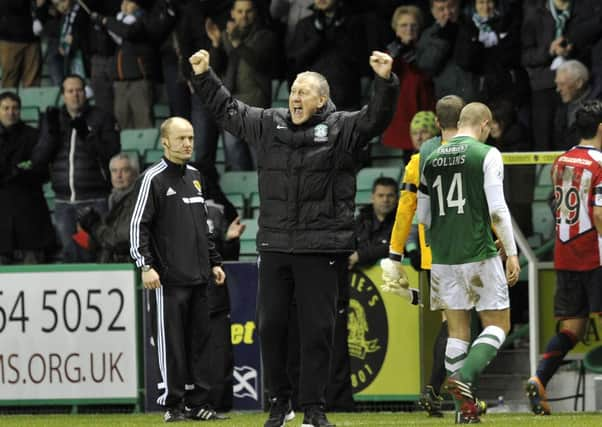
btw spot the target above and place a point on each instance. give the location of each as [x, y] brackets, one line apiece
[173, 415]
[280, 412]
[462, 419]
[202, 413]
[431, 402]
[315, 417]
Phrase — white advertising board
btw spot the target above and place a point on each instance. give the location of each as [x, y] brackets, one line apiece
[68, 335]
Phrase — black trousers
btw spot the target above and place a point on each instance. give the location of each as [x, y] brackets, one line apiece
[182, 335]
[312, 279]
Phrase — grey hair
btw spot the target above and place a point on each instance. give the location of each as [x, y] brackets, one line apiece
[133, 161]
[323, 87]
[575, 69]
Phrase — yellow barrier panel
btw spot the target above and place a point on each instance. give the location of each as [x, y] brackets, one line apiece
[531, 158]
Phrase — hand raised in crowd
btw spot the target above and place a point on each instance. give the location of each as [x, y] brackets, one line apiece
[199, 62]
[381, 63]
[560, 47]
[235, 229]
[213, 32]
[150, 279]
[352, 260]
[512, 270]
[219, 275]
[233, 32]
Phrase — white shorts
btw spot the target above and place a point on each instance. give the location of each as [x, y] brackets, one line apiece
[480, 284]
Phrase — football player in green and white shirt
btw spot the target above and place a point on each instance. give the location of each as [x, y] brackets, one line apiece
[460, 197]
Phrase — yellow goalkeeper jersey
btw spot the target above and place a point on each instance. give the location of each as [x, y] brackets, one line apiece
[406, 207]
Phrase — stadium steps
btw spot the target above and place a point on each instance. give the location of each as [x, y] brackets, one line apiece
[505, 376]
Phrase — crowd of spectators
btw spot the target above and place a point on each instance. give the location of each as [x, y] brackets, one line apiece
[532, 62]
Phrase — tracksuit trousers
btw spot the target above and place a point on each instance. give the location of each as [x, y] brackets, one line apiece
[182, 334]
[312, 279]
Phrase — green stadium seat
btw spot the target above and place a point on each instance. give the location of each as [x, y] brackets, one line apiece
[283, 92]
[275, 86]
[14, 90]
[363, 197]
[139, 139]
[366, 176]
[542, 192]
[30, 115]
[41, 97]
[238, 200]
[161, 111]
[544, 176]
[543, 219]
[49, 195]
[152, 156]
[248, 246]
[254, 205]
[279, 103]
[244, 182]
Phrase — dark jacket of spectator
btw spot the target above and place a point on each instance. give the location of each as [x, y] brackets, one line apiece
[372, 235]
[332, 47]
[305, 204]
[24, 217]
[78, 159]
[100, 43]
[248, 67]
[112, 233]
[565, 131]
[434, 55]
[16, 22]
[497, 68]
[538, 31]
[137, 57]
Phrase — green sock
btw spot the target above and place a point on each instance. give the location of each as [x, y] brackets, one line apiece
[483, 350]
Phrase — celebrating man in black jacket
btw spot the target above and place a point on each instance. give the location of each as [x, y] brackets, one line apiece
[307, 157]
[171, 243]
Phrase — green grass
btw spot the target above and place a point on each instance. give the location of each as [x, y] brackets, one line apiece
[366, 419]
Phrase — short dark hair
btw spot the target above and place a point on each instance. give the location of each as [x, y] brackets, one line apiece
[503, 112]
[72, 76]
[12, 96]
[587, 118]
[448, 111]
[385, 181]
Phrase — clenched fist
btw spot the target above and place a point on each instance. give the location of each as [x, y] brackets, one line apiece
[199, 62]
[381, 63]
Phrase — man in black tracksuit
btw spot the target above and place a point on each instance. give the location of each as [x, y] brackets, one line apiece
[307, 157]
[171, 243]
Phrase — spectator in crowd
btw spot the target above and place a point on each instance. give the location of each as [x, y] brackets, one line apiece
[488, 46]
[20, 55]
[135, 64]
[245, 52]
[73, 40]
[26, 233]
[329, 42]
[101, 51]
[299, 199]
[50, 19]
[572, 84]
[111, 232]
[76, 142]
[577, 247]
[374, 224]
[544, 47]
[422, 128]
[468, 275]
[417, 87]
[290, 12]
[435, 53]
[170, 208]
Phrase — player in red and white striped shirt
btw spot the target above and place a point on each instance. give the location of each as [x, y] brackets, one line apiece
[577, 179]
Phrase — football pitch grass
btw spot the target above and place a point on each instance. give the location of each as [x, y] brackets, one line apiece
[364, 419]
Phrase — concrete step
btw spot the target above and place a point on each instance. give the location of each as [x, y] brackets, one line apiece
[511, 386]
[510, 362]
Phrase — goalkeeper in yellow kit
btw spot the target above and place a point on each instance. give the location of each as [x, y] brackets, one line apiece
[447, 111]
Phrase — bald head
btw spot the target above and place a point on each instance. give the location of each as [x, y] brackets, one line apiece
[475, 121]
[177, 138]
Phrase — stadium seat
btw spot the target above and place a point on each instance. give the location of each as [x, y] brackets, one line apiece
[366, 176]
[139, 139]
[283, 92]
[542, 192]
[238, 201]
[363, 197]
[544, 175]
[275, 86]
[152, 156]
[41, 97]
[49, 195]
[254, 205]
[542, 219]
[593, 360]
[30, 115]
[14, 90]
[248, 246]
[239, 182]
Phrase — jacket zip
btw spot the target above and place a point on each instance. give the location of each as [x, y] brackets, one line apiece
[72, 142]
